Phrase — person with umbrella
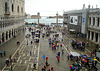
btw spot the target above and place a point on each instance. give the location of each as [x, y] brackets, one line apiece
[52, 68]
[68, 55]
[34, 65]
[62, 52]
[4, 53]
[61, 45]
[62, 39]
[47, 64]
[67, 47]
[59, 54]
[46, 58]
[7, 61]
[44, 68]
[43, 56]
[58, 58]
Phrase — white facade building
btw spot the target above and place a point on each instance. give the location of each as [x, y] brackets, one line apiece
[11, 18]
[86, 23]
[93, 31]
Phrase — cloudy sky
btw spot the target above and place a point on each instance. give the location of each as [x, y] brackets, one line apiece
[50, 7]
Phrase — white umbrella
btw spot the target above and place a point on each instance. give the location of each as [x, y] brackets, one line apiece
[7, 58]
[35, 61]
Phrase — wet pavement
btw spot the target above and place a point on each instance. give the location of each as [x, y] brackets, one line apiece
[25, 55]
[25, 61]
[46, 50]
[10, 47]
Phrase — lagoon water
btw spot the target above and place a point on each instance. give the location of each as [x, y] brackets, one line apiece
[46, 21]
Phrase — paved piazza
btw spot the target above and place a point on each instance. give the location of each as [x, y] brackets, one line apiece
[28, 55]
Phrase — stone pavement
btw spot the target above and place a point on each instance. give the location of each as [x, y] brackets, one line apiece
[88, 50]
[10, 47]
[25, 55]
[63, 65]
[25, 60]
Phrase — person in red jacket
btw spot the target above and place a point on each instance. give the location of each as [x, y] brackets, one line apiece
[91, 53]
[45, 67]
[46, 58]
[58, 59]
[52, 68]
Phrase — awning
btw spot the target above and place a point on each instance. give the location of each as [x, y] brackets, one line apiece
[72, 30]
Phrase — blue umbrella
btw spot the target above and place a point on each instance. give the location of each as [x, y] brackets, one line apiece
[57, 53]
[92, 60]
[55, 38]
[0, 51]
[72, 41]
[43, 56]
[89, 58]
[82, 55]
[72, 67]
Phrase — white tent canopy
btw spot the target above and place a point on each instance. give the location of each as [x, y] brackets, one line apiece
[72, 30]
[74, 53]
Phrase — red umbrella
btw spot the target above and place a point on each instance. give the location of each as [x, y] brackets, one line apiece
[71, 66]
[46, 58]
[85, 61]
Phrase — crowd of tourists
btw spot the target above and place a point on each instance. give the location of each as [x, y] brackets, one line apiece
[82, 61]
[79, 45]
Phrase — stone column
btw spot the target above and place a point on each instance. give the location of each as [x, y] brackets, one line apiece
[4, 36]
[95, 21]
[90, 35]
[8, 35]
[88, 21]
[11, 34]
[94, 38]
[15, 32]
[99, 21]
[98, 37]
[87, 35]
[91, 21]
[1, 37]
